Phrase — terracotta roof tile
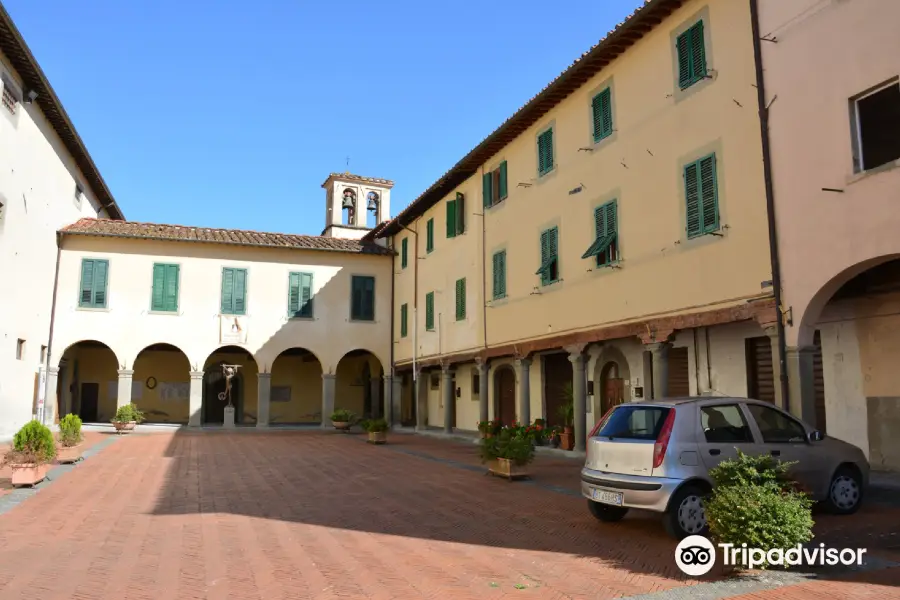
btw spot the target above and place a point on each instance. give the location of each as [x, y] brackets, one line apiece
[238, 237]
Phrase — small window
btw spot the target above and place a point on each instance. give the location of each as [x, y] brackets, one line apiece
[775, 427]
[164, 297]
[10, 97]
[499, 275]
[429, 236]
[429, 311]
[691, 49]
[403, 250]
[476, 385]
[876, 120]
[404, 315]
[234, 291]
[435, 381]
[634, 422]
[461, 299]
[94, 275]
[725, 424]
[20, 349]
[456, 216]
[549, 269]
[601, 111]
[606, 235]
[545, 152]
[362, 304]
[495, 186]
[300, 295]
[701, 193]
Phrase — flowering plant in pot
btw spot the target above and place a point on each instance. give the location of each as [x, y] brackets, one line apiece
[509, 453]
[489, 428]
[377, 430]
[342, 419]
[70, 438]
[127, 417]
[32, 451]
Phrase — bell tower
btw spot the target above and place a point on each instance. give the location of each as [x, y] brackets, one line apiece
[354, 205]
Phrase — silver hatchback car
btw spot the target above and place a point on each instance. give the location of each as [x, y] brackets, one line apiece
[657, 455]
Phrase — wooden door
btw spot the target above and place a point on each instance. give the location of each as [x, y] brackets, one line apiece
[760, 373]
[613, 394]
[557, 377]
[506, 395]
[679, 373]
[90, 396]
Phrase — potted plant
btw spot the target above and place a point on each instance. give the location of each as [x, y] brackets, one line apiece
[127, 417]
[539, 431]
[508, 454]
[32, 451]
[342, 419]
[377, 429]
[567, 413]
[554, 436]
[489, 428]
[69, 450]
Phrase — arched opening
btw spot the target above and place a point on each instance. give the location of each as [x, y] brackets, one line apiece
[161, 384]
[243, 394]
[612, 387]
[373, 200]
[348, 206]
[296, 392]
[505, 394]
[88, 382]
[359, 384]
[612, 380]
[558, 380]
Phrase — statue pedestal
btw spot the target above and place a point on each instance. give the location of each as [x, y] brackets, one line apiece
[229, 418]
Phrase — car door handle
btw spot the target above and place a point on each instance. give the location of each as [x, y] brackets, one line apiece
[715, 451]
[776, 452]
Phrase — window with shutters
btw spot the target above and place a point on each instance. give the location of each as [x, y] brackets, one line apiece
[10, 96]
[404, 316]
[691, 48]
[701, 197]
[234, 291]
[545, 152]
[601, 115]
[549, 270]
[429, 311]
[606, 235]
[456, 216]
[495, 186]
[429, 236]
[300, 295]
[403, 250]
[94, 282]
[362, 302]
[875, 118]
[499, 275]
[461, 299]
[164, 297]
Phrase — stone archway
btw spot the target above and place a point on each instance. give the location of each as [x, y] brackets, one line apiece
[161, 384]
[88, 382]
[359, 384]
[612, 380]
[296, 388]
[244, 387]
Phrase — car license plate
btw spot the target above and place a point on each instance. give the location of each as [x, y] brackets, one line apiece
[607, 497]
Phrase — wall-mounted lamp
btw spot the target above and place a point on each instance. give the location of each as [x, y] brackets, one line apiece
[31, 96]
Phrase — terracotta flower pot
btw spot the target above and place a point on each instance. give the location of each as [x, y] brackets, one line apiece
[378, 437]
[68, 454]
[507, 468]
[28, 474]
[124, 426]
[341, 425]
[566, 440]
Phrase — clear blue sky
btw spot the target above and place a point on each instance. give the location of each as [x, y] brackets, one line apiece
[232, 114]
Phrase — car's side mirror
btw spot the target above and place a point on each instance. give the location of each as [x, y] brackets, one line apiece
[816, 436]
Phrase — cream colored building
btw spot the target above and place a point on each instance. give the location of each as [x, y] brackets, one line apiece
[47, 180]
[149, 314]
[610, 235]
[831, 78]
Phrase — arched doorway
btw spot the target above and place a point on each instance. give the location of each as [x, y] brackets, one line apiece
[359, 384]
[612, 380]
[505, 394]
[244, 390]
[296, 392]
[612, 387]
[88, 382]
[161, 384]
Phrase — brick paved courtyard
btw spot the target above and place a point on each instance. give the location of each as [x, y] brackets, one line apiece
[322, 515]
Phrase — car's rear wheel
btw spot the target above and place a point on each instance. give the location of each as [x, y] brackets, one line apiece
[845, 492]
[606, 512]
[686, 515]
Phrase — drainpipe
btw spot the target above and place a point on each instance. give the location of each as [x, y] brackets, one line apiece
[415, 335]
[770, 198]
[484, 284]
[52, 323]
[390, 394]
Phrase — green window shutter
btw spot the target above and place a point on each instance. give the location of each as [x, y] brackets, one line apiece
[86, 298]
[487, 189]
[306, 295]
[499, 279]
[403, 250]
[403, 315]
[93, 283]
[602, 113]
[362, 303]
[240, 291]
[545, 152]
[460, 213]
[549, 270]
[709, 194]
[683, 46]
[503, 191]
[170, 301]
[692, 200]
[691, 49]
[101, 268]
[294, 294]
[157, 297]
[429, 238]
[451, 218]
[606, 234]
[460, 299]
[227, 307]
[429, 311]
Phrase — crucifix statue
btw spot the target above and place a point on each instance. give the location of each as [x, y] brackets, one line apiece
[229, 371]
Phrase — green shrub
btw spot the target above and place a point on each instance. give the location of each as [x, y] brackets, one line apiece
[32, 444]
[70, 430]
[375, 425]
[127, 414]
[511, 443]
[763, 470]
[342, 415]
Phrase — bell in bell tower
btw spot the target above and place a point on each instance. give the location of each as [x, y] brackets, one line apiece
[345, 216]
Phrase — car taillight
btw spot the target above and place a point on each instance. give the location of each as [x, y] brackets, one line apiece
[600, 423]
[662, 442]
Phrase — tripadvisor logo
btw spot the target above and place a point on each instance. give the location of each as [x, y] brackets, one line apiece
[695, 555]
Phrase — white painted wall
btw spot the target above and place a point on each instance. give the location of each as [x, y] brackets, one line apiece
[37, 188]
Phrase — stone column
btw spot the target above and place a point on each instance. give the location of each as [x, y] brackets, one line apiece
[660, 351]
[449, 391]
[421, 391]
[387, 385]
[576, 357]
[328, 383]
[483, 370]
[523, 374]
[772, 332]
[195, 403]
[50, 400]
[264, 389]
[802, 384]
[124, 398]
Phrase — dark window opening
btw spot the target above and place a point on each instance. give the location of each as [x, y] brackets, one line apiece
[877, 117]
